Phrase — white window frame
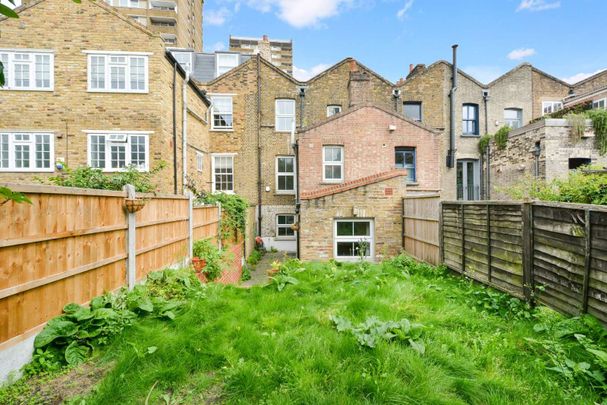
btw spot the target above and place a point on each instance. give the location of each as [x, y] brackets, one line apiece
[9, 68]
[32, 152]
[199, 161]
[212, 109]
[596, 103]
[107, 71]
[508, 122]
[551, 105]
[330, 107]
[278, 191]
[222, 67]
[332, 163]
[108, 144]
[287, 237]
[370, 238]
[140, 19]
[214, 185]
[277, 115]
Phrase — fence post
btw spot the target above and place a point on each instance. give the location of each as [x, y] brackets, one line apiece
[190, 223]
[219, 242]
[527, 237]
[587, 261]
[131, 260]
[441, 237]
[489, 242]
[463, 206]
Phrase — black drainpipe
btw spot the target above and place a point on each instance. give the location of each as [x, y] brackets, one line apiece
[259, 182]
[486, 192]
[175, 128]
[451, 152]
[297, 201]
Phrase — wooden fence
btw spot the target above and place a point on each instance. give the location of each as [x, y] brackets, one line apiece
[517, 247]
[71, 245]
[420, 227]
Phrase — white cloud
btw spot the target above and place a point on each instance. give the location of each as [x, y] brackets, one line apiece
[402, 13]
[483, 73]
[218, 46]
[298, 13]
[538, 5]
[216, 17]
[580, 76]
[306, 74]
[521, 53]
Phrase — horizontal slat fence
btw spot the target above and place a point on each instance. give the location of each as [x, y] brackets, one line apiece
[421, 228]
[517, 247]
[70, 245]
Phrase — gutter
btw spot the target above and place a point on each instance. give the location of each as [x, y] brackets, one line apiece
[451, 151]
[184, 132]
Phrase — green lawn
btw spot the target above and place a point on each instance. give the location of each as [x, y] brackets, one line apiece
[261, 345]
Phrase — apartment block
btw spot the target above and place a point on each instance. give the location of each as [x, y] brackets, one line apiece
[100, 99]
[277, 51]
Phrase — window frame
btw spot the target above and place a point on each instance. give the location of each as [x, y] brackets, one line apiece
[329, 106]
[212, 110]
[219, 67]
[107, 76]
[9, 69]
[405, 166]
[597, 102]
[288, 226]
[213, 167]
[332, 163]
[108, 151]
[350, 239]
[519, 112]
[476, 120]
[32, 152]
[551, 104]
[199, 161]
[277, 115]
[293, 174]
[414, 103]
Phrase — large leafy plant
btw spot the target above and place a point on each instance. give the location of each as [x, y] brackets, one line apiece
[205, 249]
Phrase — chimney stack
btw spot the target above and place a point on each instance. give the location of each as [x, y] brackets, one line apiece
[411, 67]
[265, 38]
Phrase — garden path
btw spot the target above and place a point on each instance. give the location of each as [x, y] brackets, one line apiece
[259, 275]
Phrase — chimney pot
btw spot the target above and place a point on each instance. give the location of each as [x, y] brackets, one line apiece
[265, 38]
[411, 67]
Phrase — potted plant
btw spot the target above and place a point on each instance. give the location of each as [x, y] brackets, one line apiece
[206, 260]
[133, 205]
[275, 269]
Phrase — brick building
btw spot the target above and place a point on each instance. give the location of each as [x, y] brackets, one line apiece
[98, 99]
[355, 168]
[255, 109]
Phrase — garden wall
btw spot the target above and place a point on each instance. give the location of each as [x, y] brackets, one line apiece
[72, 244]
[518, 247]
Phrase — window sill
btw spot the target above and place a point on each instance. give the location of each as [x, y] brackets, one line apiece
[24, 89]
[51, 170]
[292, 193]
[412, 184]
[331, 183]
[222, 129]
[470, 136]
[223, 192]
[285, 238]
[118, 91]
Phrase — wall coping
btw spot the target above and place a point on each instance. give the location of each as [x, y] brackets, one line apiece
[350, 185]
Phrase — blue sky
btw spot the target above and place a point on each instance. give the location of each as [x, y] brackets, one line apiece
[564, 38]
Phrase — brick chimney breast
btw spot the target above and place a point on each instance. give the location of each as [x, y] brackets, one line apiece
[359, 87]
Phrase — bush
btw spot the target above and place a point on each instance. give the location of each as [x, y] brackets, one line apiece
[206, 250]
[88, 177]
[255, 257]
[501, 137]
[235, 210]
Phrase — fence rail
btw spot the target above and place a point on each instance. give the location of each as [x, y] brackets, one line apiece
[517, 247]
[71, 245]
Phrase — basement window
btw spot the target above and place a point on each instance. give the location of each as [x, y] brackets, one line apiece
[351, 237]
[576, 163]
[283, 226]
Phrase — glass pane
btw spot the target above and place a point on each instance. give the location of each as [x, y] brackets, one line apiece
[22, 156]
[43, 71]
[97, 72]
[118, 156]
[138, 151]
[43, 151]
[137, 74]
[117, 77]
[4, 150]
[345, 228]
[362, 229]
[346, 249]
[413, 111]
[98, 151]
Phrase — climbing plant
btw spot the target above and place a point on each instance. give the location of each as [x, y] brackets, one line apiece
[577, 121]
[235, 210]
[599, 124]
[501, 137]
[484, 142]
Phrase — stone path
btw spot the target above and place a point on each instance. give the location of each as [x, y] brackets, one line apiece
[259, 276]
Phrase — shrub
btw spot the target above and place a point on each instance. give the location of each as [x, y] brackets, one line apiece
[484, 142]
[235, 210]
[255, 257]
[88, 177]
[599, 124]
[501, 137]
[206, 250]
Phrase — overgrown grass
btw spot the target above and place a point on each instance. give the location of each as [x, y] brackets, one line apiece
[262, 345]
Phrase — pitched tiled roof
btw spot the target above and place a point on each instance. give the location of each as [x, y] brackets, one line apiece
[349, 185]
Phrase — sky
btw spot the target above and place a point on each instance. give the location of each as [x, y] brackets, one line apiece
[565, 38]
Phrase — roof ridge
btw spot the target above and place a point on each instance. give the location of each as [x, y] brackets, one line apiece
[352, 184]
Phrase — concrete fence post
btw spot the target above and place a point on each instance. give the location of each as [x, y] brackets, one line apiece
[131, 264]
[219, 213]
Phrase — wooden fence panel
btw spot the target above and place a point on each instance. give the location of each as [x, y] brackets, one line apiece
[452, 241]
[505, 248]
[597, 288]
[420, 227]
[70, 245]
